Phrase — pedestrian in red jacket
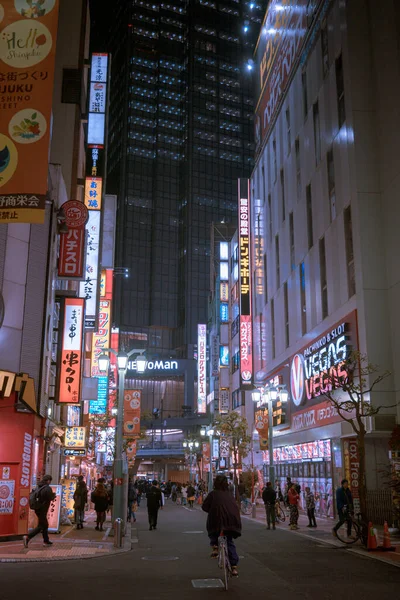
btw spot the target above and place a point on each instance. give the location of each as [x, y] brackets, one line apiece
[293, 498]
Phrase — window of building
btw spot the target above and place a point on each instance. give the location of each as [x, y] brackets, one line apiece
[310, 233]
[265, 278]
[282, 176]
[277, 262]
[235, 362]
[323, 278]
[304, 93]
[286, 309]
[288, 132]
[237, 399]
[71, 86]
[270, 217]
[340, 91]
[274, 158]
[292, 248]
[348, 234]
[324, 49]
[331, 184]
[317, 133]
[298, 168]
[303, 301]
[272, 303]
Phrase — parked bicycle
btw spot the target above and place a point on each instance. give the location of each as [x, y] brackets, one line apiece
[279, 512]
[245, 506]
[352, 529]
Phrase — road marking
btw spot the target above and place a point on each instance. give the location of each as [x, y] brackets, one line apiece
[207, 583]
[192, 531]
[160, 558]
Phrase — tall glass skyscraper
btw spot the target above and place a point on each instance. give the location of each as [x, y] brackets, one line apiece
[180, 135]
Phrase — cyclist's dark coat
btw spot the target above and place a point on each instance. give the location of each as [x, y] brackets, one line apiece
[343, 498]
[223, 513]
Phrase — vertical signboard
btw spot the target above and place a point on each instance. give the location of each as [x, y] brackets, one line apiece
[132, 401]
[224, 402]
[88, 288]
[71, 352]
[27, 53]
[261, 424]
[101, 339]
[246, 359]
[214, 355]
[352, 470]
[201, 368]
[206, 447]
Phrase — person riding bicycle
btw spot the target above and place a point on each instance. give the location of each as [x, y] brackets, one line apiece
[223, 516]
[344, 503]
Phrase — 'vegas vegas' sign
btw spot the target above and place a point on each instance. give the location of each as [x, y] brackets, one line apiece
[312, 368]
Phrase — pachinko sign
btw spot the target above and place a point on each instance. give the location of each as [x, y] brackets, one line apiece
[312, 369]
[245, 330]
[201, 368]
[27, 52]
[71, 353]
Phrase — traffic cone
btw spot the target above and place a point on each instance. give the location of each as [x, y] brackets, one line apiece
[372, 543]
[386, 546]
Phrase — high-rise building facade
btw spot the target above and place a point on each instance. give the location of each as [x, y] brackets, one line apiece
[180, 135]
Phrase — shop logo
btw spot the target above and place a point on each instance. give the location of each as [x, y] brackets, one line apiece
[24, 44]
[76, 214]
[297, 379]
[27, 126]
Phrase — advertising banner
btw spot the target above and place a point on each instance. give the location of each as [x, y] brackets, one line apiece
[131, 449]
[6, 496]
[101, 339]
[224, 291]
[132, 402]
[352, 469]
[71, 260]
[201, 368]
[75, 437]
[27, 53]
[67, 496]
[214, 355]
[71, 353]
[206, 456]
[88, 288]
[99, 406]
[261, 424]
[215, 449]
[224, 402]
[245, 330]
[224, 448]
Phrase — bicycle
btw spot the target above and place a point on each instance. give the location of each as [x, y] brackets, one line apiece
[223, 558]
[279, 512]
[357, 527]
[245, 506]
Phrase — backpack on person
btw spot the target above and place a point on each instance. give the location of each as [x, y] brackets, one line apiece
[34, 498]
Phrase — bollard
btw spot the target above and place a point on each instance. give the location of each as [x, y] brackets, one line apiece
[118, 531]
[254, 510]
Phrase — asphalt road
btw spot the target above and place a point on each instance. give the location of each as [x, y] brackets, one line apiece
[277, 564]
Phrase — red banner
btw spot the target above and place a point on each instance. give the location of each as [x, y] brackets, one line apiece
[206, 457]
[132, 401]
[71, 353]
[316, 416]
[246, 363]
[261, 424]
[72, 253]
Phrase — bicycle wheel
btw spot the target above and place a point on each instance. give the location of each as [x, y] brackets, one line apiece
[279, 513]
[348, 538]
[245, 506]
[222, 560]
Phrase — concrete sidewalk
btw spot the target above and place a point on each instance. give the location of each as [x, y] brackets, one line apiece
[70, 544]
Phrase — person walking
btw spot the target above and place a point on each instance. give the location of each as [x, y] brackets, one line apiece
[132, 502]
[154, 503]
[191, 495]
[310, 505]
[293, 498]
[80, 500]
[173, 492]
[44, 496]
[179, 494]
[100, 499]
[184, 494]
[344, 504]
[269, 499]
[223, 515]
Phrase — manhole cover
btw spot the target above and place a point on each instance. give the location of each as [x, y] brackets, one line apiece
[192, 531]
[160, 558]
[207, 583]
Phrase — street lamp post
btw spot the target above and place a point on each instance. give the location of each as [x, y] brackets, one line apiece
[190, 444]
[210, 432]
[122, 363]
[267, 395]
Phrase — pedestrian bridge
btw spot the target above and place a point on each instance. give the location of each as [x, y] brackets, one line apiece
[164, 449]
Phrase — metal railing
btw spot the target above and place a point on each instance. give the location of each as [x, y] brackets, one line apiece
[380, 506]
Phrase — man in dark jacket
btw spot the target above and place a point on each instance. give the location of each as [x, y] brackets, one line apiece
[223, 515]
[154, 503]
[344, 503]
[269, 499]
[45, 497]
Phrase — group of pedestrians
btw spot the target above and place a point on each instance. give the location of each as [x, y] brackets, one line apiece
[291, 500]
[187, 493]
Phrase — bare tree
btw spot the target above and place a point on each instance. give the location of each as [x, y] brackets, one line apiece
[234, 428]
[355, 377]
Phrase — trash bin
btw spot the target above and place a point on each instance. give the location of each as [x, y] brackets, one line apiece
[118, 531]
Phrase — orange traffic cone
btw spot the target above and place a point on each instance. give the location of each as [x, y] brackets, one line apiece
[372, 543]
[386, 538]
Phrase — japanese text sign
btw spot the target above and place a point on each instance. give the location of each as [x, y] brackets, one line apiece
[201, 368]
[245, 331]
[101, 339]
[27, 53]
[71, 353]
[132, 401]
[75, 437]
